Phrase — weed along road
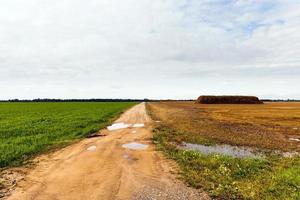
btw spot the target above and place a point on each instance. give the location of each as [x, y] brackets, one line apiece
[121, 163]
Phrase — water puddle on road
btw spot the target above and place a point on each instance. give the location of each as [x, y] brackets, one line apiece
[238, 152]
[118, 126]
[92, 148]
[122, 125]
[138, 125]
[294, 139]
[125, 156]
[135, 146]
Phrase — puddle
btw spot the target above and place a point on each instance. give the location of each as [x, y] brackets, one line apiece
[294, 139]
[133, 132]
[118, 126]
[138, 125]
[225, 149]
[135, 146]
[92, 148]
[125, 156]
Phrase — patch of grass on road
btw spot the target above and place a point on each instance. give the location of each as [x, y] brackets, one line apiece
[225, 177]
[29, 128]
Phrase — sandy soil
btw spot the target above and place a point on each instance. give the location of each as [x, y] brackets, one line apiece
[108, 171]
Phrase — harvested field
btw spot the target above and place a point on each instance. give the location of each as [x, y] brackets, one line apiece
[268, 126]
[228, 100]
[225, 176]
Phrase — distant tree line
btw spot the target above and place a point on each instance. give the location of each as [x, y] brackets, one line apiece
[76, 100]
[125, 100]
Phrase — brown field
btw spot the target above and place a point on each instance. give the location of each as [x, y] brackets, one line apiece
[266, 126]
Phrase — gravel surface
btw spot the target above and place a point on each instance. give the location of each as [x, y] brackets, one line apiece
[178, 191]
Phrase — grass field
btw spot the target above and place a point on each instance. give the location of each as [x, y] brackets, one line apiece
[267, 126]
[29, 128]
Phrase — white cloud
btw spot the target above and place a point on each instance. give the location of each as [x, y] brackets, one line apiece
[146, 48]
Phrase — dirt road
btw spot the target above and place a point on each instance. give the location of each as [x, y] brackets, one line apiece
[100, 168]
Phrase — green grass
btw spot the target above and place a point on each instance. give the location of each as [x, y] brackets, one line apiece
[29, 128]
[225, 177]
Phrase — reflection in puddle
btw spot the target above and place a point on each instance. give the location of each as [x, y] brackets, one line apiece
[126, 156]
[295, 139]
[122, 125]
[135, 146]
[117, 126]
[221, 149]
[138, 125]
[92, 148]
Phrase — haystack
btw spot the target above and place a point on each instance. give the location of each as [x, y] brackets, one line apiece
[229, 100]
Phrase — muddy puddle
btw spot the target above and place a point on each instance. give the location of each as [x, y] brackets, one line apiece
[295, 139]
[126, 156]
[135, 146]
[235, 151]
[138, 125]
[118, 126]
[92, 148]
[122, 125]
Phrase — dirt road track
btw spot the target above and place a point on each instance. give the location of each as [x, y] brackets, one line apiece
[107, 173]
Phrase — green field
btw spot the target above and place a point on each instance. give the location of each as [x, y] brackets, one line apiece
[29, 128]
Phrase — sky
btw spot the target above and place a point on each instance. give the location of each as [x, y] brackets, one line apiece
[177, 49]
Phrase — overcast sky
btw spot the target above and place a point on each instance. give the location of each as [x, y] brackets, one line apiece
[149, 48]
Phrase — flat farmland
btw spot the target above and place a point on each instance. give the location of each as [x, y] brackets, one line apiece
[29, 128]
[268, 128]
[274, 126]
